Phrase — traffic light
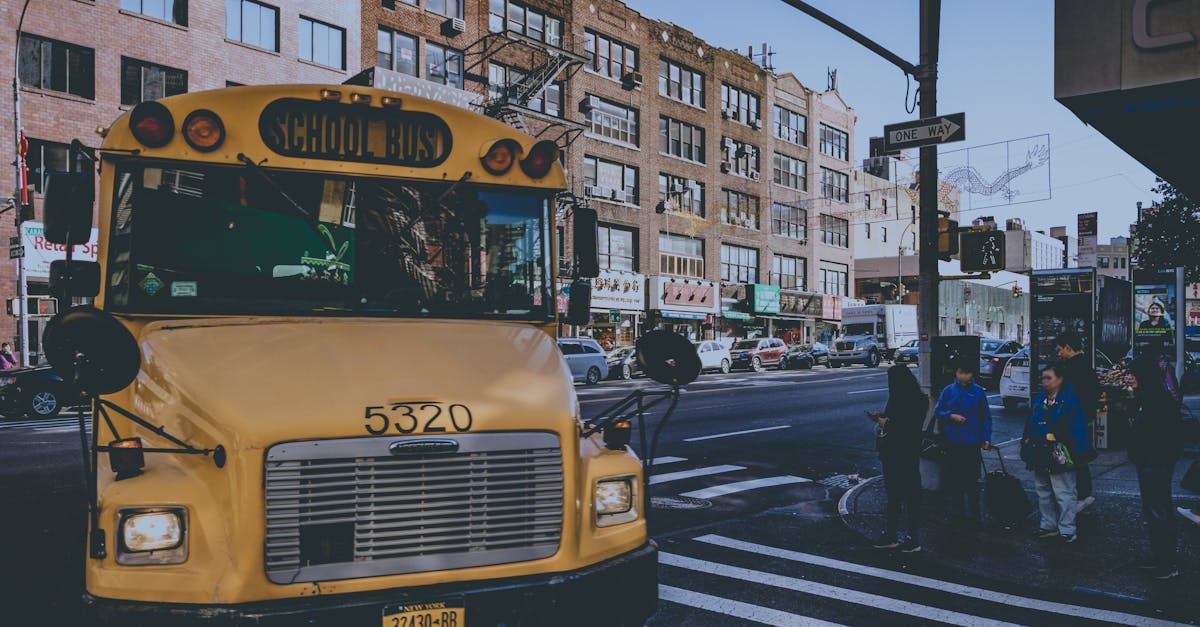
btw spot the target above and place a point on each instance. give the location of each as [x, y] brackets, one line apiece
[1016, 291]
[947, 237]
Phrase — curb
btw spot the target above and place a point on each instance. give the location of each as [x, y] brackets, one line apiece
[843, 503]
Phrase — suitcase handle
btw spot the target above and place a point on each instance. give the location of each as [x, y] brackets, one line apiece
[1001, 458]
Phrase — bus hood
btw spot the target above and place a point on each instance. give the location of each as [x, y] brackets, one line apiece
[251, 383]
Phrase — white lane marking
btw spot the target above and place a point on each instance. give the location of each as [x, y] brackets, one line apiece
[732, 433]
[827, 591]
[867, 391]
[667, 459]
[1006, 442]
[935, 584]
[742, 486]
[997, 406]
[695, 472]
[737, 609]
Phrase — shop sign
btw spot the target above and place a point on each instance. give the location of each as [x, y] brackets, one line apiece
[1192, 291]
[562, 297]
[831, 307]
[766, 298]
[1193, 316]
[735, 315]
[800, 303]
[690, 295]
[616, 289]
[614, 316]
[39, 252]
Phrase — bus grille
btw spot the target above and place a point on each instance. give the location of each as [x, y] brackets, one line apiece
[337, 509]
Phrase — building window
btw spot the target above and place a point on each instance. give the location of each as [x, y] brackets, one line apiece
[835, 279]
[612, 121]
[884, 201]
[680, 255]
[501, 78]
[391, 4]
[449, 8]
[680, 139]
[868, 228]
[681, 195]
[680, 83]
[739, 209]
[739, 264]
[174, 11]
[550, 101]
[835, 142]
[609, 180]
[1103, 262]
[618, 248]
[513, 16]
[789, 273]
[443, 65]
[45, 157]
[1123, 262]
[740, 105]
[835, 231]
[789, 221]
[141, 81]
[252, 23]
[884, 229]
[742, 158]
[609, 57]
[322, 43]
[835, 185]
[57, 66]
[789, 172]
[397, 52]
[791, 126]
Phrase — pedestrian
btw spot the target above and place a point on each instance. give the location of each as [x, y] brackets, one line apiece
[1055, 435]
[966, 422]
[8, 360]
[898, 440]
[1081, 376]
[1155, 444]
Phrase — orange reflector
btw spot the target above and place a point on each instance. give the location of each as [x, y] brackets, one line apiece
[500, 157]
[151, 124]
[392, 101]
[126, 457]
[541, 157]
[203, 130]
[331, 94]
[360, 98]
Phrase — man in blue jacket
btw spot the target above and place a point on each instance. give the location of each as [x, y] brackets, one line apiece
[966, 422]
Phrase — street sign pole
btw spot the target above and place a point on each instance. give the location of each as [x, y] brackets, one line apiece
[927, 261]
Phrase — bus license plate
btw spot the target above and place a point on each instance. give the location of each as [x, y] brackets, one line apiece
[437, 614]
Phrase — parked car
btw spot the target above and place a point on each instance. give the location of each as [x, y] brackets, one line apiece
[757, 353]
[585, 357]
[1014, 381]
[907, 354]
[993, 354]
[35, 392]
[714, 356]
[805, 356]
[622, 363]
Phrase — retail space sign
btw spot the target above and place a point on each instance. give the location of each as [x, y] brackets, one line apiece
[766, 298]
[684, 295]
[39, 252]
[617, 289]
[801, 303]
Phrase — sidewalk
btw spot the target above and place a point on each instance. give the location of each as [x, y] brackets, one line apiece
[1112, 539]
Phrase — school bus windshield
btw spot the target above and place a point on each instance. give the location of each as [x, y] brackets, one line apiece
[196, 239]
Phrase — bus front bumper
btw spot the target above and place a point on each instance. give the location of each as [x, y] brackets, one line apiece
[619, 591]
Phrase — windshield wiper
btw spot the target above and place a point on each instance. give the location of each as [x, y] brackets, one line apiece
[295, 206]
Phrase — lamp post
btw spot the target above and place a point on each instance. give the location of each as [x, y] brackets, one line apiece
[22, 195]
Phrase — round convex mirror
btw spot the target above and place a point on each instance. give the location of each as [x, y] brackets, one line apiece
[668, 357]
[95, 345]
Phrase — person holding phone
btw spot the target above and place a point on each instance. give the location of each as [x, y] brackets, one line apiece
[898, 440]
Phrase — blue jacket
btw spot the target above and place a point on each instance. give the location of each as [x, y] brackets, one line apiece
[970, 402]
[1064, 419]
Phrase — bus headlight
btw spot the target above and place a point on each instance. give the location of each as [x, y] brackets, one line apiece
[151, 535]
[614, 501]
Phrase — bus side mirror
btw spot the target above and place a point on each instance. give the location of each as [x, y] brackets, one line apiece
[80, 279]
[585, 239]
[93, 349]
[579, 304]
[67, 208]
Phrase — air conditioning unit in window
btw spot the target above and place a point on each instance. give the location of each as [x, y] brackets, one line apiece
[454, 26]
[729, 144]
[729, 114]
[725, 168]
[754, 176]
[631, 80]
[620, 195]
[756, 124]
[589, 190]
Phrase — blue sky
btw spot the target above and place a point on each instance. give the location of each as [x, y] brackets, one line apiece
[997, 65]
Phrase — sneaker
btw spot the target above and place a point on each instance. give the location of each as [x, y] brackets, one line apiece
[1084, 504]
[886, 542]
[1045, 534]
[1069, 539]
[910, 546]
[1164, 574]
[1190, 514]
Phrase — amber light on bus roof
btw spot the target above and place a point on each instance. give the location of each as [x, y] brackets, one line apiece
[501, 156]
[203, 130]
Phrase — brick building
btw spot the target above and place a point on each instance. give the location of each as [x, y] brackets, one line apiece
[723, 188]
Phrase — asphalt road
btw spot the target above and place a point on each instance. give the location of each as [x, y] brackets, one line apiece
[745, 495]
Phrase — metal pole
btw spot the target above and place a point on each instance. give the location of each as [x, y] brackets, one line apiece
[927, 312]
[21, 195]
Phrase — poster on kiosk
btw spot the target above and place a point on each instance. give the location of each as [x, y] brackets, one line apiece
[1158, 316]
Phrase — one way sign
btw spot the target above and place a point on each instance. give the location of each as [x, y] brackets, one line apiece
[930, 131]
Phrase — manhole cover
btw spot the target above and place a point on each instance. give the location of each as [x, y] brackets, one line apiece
[843, 482]
[678, 502]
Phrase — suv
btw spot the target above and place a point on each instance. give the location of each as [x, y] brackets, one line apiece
[36, 392]
[585, 357]
[713, 356]
[757, 353]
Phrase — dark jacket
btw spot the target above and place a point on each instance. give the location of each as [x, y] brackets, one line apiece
[1157, 433]
[905, 419]
[972, 403]
[1064, 419]
[1082, 376]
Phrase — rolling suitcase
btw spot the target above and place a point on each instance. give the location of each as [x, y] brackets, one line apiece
[1005, 497]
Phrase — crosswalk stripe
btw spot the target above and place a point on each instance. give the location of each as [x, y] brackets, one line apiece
[935, 584]
[742, 486]
[738, 609]
[867, 391]
[695, 472]
[827, 591]
[668, 459]
[732, 433]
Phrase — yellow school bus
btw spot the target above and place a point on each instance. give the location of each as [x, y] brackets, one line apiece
[352, 407]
